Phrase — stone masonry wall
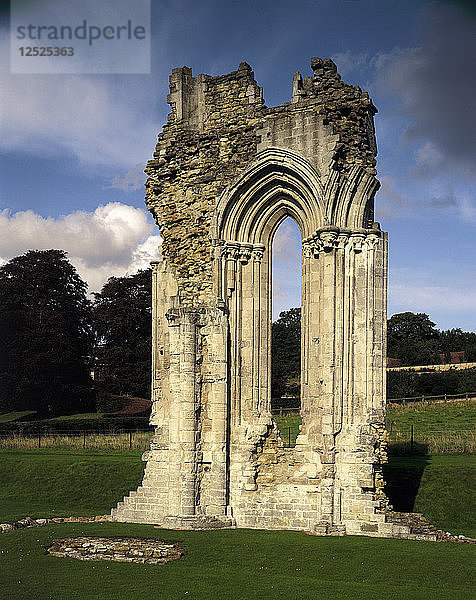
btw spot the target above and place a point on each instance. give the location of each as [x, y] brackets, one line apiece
[226, 171]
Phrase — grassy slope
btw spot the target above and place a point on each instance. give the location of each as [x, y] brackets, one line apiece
[288, 426]
[53, 482]
[453, 415]
[238, 565]
[442, 487]
[426, 417]
[15, 416]
[60, 482]
[230, 565]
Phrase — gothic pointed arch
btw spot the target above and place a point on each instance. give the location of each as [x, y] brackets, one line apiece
[277, 184]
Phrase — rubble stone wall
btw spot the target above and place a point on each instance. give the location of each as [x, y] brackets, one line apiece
[227, 170]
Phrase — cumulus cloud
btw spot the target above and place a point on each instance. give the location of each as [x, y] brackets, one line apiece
[433, 87]
[428, 161]
[348, 62]
[391, 203]
[443, 201]
[97, 120]
[115, 239]
[433, 298]
[446, 291]
[287, 242]
[468, 209]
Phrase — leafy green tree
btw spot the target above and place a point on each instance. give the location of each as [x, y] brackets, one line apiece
[456, 340]
[45, 335]
[412, 338]
[285, 351]
[122, 324]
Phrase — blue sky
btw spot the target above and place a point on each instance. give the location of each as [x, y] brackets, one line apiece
[73, 146]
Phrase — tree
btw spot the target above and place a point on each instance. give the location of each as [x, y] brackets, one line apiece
[456, 340]
[285, 350]
[412, 338]
[45, 335]
[122, 324]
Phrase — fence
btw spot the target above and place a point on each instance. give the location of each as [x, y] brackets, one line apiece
[433, 399]
[415, 439]
[122, 440]
[284, 410]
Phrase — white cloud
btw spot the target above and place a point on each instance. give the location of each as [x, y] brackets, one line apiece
[115, 239]
[429, 298]
[348, 62]
[286, 267]
[446, 291]
[98, 120]
[389, 203]
[428, 160]
[133, 180]
[468, 210]
[287, 242]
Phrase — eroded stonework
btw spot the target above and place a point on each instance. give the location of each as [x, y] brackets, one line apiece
[118, 549]
[226, 172]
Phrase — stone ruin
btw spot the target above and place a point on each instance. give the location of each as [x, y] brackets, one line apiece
[226, 172]
[118, 549]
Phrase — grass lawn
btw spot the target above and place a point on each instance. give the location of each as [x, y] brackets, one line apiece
[430, 417]
[438, 428]
[288, 426]
[15, 416]
[75, 417]
[230, 564]
[442, 487]
[43, 483]
[238, 565]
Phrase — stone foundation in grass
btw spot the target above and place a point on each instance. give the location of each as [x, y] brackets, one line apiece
[118, 549]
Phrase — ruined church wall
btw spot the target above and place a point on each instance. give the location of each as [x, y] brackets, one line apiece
[225, 172]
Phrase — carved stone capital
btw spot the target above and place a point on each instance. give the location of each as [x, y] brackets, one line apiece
[311, 248]
[236, 251]
[329, 239]
[244, 253]
[258, 253]
[372, 241]
[356, 241]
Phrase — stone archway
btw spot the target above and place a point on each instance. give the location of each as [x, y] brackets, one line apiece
[226, 172]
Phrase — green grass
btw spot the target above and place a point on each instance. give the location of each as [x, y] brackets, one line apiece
[442, 487]
[288, 426]
[230, 565]
[438, 428]
[47, 483]
[430, 417]
[76, 417]
[15, 416]
[238, 565]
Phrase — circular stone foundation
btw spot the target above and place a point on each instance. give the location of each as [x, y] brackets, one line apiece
[120, 549]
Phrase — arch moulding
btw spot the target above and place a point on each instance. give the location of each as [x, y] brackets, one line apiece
[226, 172]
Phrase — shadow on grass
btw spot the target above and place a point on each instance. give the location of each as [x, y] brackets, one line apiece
[403, 473]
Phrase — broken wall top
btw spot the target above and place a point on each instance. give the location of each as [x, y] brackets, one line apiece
[217, 126]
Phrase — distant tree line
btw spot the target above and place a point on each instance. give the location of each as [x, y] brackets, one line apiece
[54, 339]
[63, 353]
[412, 339]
